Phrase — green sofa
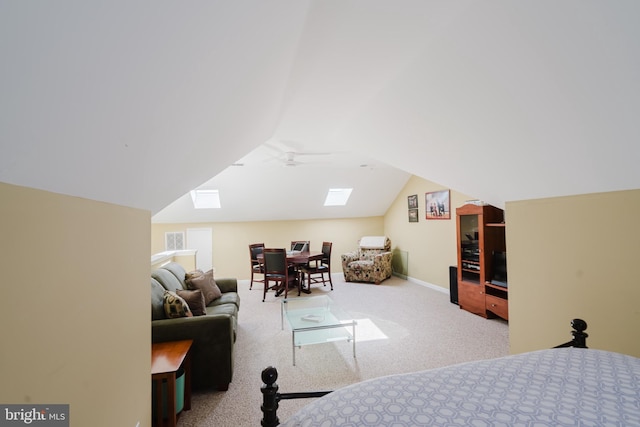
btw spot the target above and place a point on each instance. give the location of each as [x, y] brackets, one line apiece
[213, 334]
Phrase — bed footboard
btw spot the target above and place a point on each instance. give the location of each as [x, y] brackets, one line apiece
[271, 397]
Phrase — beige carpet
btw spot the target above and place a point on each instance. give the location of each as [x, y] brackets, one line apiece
[402, 327]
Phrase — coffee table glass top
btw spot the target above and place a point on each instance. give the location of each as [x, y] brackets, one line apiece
[315, 320]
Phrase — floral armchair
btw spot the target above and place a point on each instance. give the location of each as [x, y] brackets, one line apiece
[371, 262]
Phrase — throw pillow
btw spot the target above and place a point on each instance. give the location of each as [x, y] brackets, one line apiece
[207, 285]
[194, 273]
[175, 306]
[194, 299]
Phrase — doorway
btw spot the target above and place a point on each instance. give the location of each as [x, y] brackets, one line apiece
[201, 239]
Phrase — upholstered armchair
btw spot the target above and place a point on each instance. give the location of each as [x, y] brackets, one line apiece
[371, 262]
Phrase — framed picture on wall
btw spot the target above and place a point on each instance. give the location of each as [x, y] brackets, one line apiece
[413, 201]
[413, 215]
[437, 205]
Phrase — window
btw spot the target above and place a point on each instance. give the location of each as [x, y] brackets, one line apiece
[174, 241]
[205, 199]
[337, 196]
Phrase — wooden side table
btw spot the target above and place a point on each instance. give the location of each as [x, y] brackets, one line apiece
[166, 359]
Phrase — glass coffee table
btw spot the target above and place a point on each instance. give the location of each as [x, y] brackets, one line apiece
[315, 320]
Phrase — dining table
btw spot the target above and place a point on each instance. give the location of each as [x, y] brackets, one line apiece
[297, 260]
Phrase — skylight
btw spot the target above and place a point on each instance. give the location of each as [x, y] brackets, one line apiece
[205, 199]
[337, 196]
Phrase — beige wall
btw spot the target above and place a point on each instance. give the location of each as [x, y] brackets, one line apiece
[75, 312]
[430, 244]
[231, 239]
[76, 325]
[574, 257]
[583, 247]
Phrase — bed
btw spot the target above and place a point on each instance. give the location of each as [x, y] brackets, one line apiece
[565, 386]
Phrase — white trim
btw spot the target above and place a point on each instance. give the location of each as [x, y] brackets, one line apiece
[418, 282]
[428, 285]
[167, 255]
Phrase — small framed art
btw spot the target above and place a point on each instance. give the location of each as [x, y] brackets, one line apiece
[437, 205]
[412, 201]
[413, 215]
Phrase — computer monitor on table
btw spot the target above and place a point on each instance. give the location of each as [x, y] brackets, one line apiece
[300, 247]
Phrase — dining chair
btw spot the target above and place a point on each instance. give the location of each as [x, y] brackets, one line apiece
[277, 270]
[317, 268]
[256, 249]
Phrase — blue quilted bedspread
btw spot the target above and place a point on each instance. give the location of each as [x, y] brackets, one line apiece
[557, 387]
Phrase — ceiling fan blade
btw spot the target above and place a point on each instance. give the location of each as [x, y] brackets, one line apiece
[285, 154]
[309, 153]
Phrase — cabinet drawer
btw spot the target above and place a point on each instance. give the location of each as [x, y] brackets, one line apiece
[497, 306]
[471, 297]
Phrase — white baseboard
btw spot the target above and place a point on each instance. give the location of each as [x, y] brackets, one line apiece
[428, 285]
[418, 282]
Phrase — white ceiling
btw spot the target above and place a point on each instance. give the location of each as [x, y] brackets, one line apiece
[137, 103]
[265, 188]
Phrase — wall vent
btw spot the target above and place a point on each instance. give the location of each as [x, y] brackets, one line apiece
[174, 241]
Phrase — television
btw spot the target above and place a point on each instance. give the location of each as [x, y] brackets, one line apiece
[499, 268]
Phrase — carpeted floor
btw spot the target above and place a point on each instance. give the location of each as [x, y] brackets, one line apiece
[402, 327]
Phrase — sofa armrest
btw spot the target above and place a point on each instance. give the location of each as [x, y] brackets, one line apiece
[227, 284]
[382, 265]
[203, 328]
[350, 257]
[212, 349]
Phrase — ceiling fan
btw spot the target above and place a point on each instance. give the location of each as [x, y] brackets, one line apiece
[290, 158]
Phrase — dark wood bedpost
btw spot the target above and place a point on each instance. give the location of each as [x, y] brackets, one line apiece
[579, 335]
[269, 397]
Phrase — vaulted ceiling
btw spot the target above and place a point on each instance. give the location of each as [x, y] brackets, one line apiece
[137, 103]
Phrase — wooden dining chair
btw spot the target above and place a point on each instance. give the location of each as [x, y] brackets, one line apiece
[317, 268]
[256, 249]
[278, 271]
